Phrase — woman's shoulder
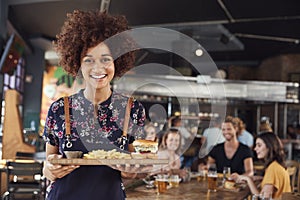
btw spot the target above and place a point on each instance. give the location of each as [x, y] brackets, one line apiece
[275, 166]
[163, 153]
[57, 103]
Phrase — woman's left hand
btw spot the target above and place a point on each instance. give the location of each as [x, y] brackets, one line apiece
[133, 171]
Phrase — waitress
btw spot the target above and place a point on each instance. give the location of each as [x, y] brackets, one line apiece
[96, 113]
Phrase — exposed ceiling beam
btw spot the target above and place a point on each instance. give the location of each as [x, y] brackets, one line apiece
[224, 8]
[104, 5]
[266, 37]
[19, 2]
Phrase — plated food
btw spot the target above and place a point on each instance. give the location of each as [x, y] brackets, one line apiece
[145, 149]
[145, 146]
[112, 157]
[102, 154]
[229, 184]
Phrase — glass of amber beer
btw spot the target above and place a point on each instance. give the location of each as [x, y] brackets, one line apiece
[212, 177]
[161, 184]
[174, 181]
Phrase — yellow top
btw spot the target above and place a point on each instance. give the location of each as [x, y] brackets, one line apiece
[277, 176]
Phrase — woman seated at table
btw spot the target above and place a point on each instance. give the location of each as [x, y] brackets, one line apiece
[276, 179]
[231, 153]
[169, 149]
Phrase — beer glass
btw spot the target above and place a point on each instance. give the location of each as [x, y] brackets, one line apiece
[212, 177]
[174, 180]
[161, 182]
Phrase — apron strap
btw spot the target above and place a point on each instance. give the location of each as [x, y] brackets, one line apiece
[67, 122]
[127, 116]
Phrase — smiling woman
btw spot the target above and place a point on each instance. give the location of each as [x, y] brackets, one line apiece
[96, 113]
[276, 179]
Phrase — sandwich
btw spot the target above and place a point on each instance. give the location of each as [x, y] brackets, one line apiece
[229, 184]
[145, 149]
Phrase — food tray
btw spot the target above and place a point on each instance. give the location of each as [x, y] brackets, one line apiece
[81, 161]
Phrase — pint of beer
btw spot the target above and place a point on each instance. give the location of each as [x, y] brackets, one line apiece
[212, 177]
[161, 185]
[174, 180]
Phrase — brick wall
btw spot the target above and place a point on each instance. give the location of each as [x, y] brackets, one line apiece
[277, 68]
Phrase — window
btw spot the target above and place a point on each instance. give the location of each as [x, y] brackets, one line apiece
[15, 81]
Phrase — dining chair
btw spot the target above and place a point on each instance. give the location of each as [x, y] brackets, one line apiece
[38, 156]
[292, 168]
[24, 179]
[24, 155]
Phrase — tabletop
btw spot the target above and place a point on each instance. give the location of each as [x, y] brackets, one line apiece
[188, 190]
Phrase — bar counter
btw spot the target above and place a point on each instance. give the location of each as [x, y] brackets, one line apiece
[188, 190]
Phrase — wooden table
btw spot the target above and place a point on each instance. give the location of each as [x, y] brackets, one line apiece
[189, 190]
[291, 196]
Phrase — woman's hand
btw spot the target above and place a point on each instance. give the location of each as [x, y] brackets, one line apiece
[133, 171]
[52, 172]
[180, 172]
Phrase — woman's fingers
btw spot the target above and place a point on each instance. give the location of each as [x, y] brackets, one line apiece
[57, 171]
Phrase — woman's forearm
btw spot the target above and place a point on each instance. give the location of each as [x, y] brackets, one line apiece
[252, 186]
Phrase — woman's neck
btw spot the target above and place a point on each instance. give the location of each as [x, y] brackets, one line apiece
[171, 152]
[97, 96]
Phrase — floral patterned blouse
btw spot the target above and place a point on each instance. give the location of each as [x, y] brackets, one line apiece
[90, 130]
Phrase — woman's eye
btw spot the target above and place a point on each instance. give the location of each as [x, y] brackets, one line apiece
[88, 61]
[106, 60]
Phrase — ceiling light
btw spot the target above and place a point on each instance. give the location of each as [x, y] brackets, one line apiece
[199, 52]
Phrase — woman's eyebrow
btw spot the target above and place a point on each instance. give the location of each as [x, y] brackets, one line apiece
[106, 54]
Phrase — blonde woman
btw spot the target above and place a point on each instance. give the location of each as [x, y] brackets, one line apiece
[169, 149]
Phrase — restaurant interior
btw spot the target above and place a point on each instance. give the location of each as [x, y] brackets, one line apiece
[210, 58]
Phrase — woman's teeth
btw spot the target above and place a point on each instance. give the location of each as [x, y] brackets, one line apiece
[98, 76]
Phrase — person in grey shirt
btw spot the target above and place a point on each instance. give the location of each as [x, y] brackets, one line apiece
[245, 137]
[211, 137]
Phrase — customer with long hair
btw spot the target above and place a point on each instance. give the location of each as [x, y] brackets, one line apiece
[170, 149]
[276, 179]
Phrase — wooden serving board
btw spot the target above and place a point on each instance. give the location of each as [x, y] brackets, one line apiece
[81, 161]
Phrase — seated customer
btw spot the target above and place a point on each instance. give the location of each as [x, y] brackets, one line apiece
[231, 153]
[169, 149]
[150, 131]
[276, 179]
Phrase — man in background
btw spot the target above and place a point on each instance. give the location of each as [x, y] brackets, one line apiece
[245, 136]
[212, 136]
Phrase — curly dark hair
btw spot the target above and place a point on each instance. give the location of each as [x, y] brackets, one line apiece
[275, 147]
[85, 29]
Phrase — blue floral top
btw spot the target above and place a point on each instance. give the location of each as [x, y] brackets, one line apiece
[90, 130]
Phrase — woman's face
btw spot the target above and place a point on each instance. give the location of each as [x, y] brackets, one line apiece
[150, 133]
[228, 130]
[261, 148]
[173, 141]
[98, 67]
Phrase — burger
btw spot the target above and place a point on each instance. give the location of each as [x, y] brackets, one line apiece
[229, 184]
[145, 149]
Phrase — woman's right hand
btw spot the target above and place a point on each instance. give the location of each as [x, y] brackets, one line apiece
[52, 172]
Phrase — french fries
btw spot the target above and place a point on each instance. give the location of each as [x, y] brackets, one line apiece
[102, 154]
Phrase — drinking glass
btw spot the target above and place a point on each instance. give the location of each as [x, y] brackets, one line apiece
[174, 180]
[261, 197]
[212, 177]
[226, 172]
[161, 183]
